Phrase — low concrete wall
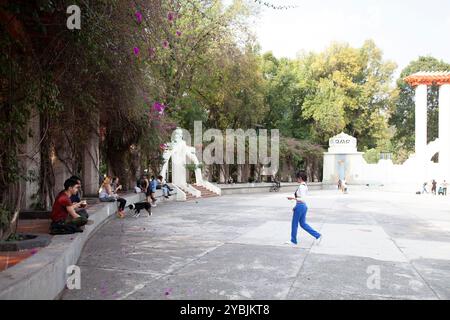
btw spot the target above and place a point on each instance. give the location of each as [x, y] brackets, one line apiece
[43, 276]
[263, 187]
[160, 197]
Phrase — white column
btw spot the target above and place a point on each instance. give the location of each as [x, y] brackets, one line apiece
[444, 132]
[421, 131]
[421, 119]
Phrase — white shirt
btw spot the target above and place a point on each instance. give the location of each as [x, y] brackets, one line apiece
[103, 193]
[302, 192]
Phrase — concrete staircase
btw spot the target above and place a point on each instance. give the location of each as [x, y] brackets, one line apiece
[205, 192]
[189, 196]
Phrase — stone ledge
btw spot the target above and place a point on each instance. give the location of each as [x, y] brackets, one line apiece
[263, 187]
[43, 276]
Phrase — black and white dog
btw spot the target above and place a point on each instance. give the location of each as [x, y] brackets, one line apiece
[138, 206]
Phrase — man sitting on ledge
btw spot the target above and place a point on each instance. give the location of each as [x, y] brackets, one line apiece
[164, 186]
[65, 220]
[76, 198]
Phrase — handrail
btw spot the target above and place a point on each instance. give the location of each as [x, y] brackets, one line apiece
[180, 195]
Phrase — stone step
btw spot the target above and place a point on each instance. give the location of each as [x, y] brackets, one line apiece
[189, 196]
[205, 192]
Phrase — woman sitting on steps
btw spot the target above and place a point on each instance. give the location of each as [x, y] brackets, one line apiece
[107, 194]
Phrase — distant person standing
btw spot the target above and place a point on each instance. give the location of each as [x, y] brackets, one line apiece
[424, 188]
[433, 187]
[339, 185]
[444, 187]
[299, 211]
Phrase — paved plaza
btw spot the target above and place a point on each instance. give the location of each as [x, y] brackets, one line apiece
[232, 247]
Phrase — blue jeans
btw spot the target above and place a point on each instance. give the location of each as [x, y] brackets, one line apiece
[298, 218]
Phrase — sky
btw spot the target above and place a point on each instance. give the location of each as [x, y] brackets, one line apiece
[403, 29]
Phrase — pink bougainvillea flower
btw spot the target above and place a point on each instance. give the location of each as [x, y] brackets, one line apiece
[138, 16]
[165, 44]
[136, 50]
[159, 107]
[178, 33]
[170, 16]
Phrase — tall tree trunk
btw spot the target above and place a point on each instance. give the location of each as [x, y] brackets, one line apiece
[47, 176]
[222, 173]
[245, 172]
[239, 173]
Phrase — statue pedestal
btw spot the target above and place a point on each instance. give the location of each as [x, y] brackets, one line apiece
[343, 161]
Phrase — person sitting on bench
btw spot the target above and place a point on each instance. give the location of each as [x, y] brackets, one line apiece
[76, 198]
[164, 186]
[64, 218]
[106, 194]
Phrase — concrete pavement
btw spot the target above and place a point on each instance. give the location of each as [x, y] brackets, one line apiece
[231, 247]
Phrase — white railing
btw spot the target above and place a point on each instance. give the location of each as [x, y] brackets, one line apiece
[180, 195]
